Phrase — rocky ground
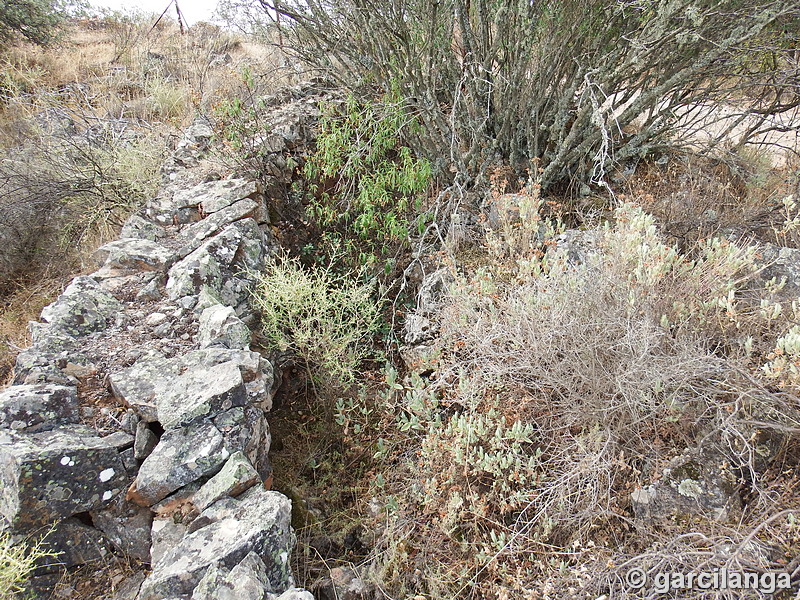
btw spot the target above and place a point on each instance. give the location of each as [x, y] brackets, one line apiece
[137, 422]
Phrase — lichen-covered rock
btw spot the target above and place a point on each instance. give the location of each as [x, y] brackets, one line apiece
[203, 268]
[55, 474]
[698, 484]
[137, 226]
[220, 264]
[165, 535]
[83, 308]
[127, 526]
[139, 384]
[213, 196]
[219, 326]
[201, 393]
[246, 430]
[182, 456]
[418, 329]
[195, 234]
[246, 581]
[33, 408]
[235, 477]
[153, 376]
[134, 254]
[260, 523]
[257, 372]
[34, 367]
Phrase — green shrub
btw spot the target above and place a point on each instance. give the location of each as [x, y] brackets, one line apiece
[565, 359]
[372, 186]
[324, 318]
[34, 20]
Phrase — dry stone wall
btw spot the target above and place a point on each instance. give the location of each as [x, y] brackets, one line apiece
[137, 420]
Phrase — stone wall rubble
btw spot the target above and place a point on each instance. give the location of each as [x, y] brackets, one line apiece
[137, 419]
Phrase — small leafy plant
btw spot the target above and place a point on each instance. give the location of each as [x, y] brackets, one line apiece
[370, 186]
[324, 318]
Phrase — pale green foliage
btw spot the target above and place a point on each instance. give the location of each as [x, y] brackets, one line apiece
[325, 318]
[17, 563]
[476, 464]
[560, 363]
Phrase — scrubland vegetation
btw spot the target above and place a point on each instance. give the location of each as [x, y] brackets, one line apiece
[597, 228]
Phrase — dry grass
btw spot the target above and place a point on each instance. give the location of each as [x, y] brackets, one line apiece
[100, 71]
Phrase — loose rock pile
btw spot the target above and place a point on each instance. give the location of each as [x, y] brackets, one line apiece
[137, 418]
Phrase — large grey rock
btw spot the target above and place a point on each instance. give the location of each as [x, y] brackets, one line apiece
[235, 477]
[204, 267]
[135, 254]
[127, 526]
[695, 485]
[55, 474]
[257, 372]
[213, 196]
[182, 456]
[139, 384]
[195, 234]
[144, 229]
[201, 393]
[83, 308]
[33, 408]
[35, 367]
[153, 376]
[259, 523]
[220, 265]
[246, 430]
[219, 326]
[246, 581]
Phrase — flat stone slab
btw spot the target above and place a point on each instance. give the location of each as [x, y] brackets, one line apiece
[236, 476]
[259, 523]
[201, 393]
[213, 196]
[153, 376]
[135, 254]
[83, 308]
[139, 384]
[41, 407]
[182, 456]
[47, 476]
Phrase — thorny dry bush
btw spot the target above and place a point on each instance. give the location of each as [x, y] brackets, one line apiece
[567, 373]
[578, 86]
